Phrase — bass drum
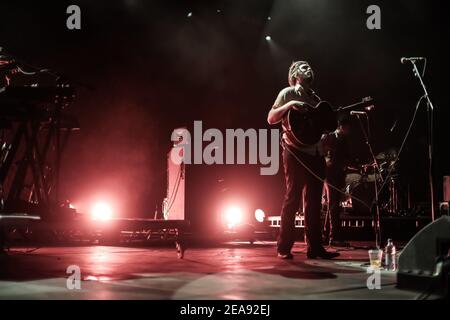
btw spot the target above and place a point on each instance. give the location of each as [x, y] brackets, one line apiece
[365, 192]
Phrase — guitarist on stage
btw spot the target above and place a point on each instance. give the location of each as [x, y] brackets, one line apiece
[300, 165]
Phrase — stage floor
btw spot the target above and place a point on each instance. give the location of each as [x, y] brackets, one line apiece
[230, 271]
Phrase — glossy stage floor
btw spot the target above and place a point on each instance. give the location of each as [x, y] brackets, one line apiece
[227, 271]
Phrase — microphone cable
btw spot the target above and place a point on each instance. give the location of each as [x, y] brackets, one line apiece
[402, 144]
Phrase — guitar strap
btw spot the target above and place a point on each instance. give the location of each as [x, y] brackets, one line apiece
[310, 91]
[315, 95]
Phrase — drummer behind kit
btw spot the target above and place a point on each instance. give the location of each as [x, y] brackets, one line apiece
[359, 183]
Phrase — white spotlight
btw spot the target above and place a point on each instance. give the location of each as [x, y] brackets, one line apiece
[101, 211]
[189, 14]
[233, 216]
[268, 38]
[259, 215]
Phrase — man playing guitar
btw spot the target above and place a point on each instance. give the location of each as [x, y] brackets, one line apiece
[303, 165]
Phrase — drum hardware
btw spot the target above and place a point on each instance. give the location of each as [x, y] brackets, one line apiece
[393, 196]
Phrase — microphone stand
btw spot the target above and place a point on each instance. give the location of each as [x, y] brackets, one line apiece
[377, 171]
[430, 109]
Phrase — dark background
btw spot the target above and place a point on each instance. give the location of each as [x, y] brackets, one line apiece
[144, 68]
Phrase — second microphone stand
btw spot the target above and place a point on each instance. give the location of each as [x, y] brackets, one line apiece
[377, 172]
[430, 109]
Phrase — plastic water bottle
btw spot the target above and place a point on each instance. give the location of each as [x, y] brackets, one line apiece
[389, 254]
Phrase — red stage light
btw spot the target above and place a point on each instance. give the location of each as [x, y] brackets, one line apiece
[101, 211]
[233, 216]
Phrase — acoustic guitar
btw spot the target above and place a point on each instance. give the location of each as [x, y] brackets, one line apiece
[306, 125]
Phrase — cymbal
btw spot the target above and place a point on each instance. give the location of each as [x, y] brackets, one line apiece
[389, 154]
[352, 170]
[381, 156]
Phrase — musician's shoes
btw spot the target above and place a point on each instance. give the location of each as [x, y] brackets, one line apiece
[321, 253]
[285, 256]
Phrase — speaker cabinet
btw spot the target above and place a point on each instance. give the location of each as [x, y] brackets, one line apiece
[417, 265]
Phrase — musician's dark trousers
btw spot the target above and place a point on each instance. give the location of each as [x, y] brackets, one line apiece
[336, 178]
[297, 178]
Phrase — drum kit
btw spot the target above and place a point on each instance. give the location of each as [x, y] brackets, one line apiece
[361, 181]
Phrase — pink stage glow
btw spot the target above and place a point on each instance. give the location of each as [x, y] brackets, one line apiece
[101, 211]
[233, 216]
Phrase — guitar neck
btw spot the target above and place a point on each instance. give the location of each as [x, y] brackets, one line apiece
[357, 104]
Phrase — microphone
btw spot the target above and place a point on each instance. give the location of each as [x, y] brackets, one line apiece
[357, 113]
[403, 60]
[369, 108]
[394, 125]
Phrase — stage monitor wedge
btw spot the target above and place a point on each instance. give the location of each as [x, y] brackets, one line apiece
[418, 266]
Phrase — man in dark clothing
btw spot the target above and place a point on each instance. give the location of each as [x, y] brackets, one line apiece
[337, 160]
[298, 163]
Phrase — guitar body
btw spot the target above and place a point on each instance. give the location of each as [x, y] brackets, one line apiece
[306, 125]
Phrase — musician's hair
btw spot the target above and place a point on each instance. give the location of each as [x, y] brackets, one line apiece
[294, 71]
